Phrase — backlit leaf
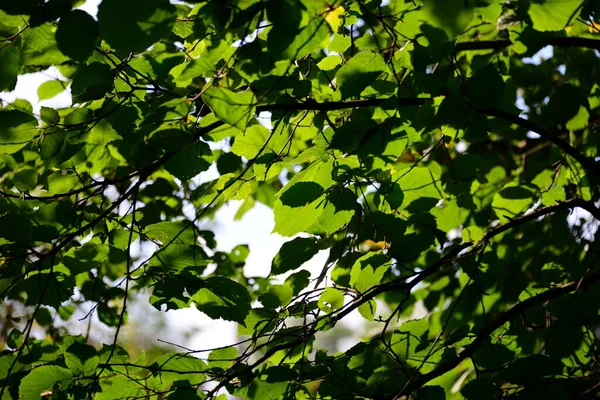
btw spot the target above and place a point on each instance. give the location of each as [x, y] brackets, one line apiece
[358, 73]
[41, 379]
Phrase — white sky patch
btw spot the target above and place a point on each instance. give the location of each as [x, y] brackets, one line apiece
[90, 7]
[461, 147]
[27, 87]
[543, 54]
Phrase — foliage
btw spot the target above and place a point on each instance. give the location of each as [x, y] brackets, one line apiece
[395, 143]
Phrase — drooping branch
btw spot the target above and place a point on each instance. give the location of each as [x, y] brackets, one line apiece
[484, 334]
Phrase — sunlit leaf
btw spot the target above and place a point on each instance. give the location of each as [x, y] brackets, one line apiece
[41, 379]
[358, 73]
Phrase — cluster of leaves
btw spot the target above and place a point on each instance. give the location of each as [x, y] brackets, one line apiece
[395, 143]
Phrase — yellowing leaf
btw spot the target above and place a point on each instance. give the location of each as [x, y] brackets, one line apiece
[334, 18]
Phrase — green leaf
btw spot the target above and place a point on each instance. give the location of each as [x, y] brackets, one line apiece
[553, 15]
[10, 59]
[20, 230]
[236, 109]
[16, 130]
[49, 89]
[580, 120]
[172, 367]
[136, 24]
[331, 299]
[41, 379]
[485, 88]
[77, 24]
[180, 232]
[415, 188]
[195, 69]
[92, 82]
[368, 271]
[15, 338]
[103, 133]
[119, 386]
[250, 143]
[293, 254]
[257, 320]
[223, 298]
[222, 358]
[448, 20]
[284, 44]
[340, 207]
[482, 389]
[276, 296]
[188, 162]
[81, 359]
[301, 194]
[472, 234]
[553, 195]
[178, 257]
[292, 220]
[298, 281]
[368, 310]
[513, 200]
[329, 63]
[26, 179]
[62, 182]
[358, 73]
[39, 47]
[412, 343]
[340, 43]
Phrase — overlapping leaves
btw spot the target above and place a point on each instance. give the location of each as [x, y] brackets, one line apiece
[416, 144]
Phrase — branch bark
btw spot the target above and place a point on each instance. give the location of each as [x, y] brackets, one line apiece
[401, 284]
[547, 134]
[341, 105]
[500, 44]
[552, 136]
[484, 334]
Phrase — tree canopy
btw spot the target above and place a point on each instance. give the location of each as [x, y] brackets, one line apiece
[452, 178]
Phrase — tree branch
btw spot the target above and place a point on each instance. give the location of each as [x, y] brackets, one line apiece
[401, 284]
[547, 134]
[484, 334]
[563, 205]
[504, 43]
[341, 105]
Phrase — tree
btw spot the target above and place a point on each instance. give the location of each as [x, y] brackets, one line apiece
[414, 142]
